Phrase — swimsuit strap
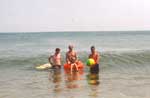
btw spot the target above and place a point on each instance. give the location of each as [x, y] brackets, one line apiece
[55, 57]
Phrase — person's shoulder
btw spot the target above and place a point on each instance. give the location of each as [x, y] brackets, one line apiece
[97, 53]
[75, 52]
[51, 56]
[90, 54]
[67, 52]
[59, 55]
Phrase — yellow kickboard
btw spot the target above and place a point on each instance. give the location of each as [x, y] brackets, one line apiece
[44, 66]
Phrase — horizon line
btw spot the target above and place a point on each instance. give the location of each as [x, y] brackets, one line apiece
[74, 31]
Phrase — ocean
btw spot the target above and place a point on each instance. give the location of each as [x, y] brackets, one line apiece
[124, 65]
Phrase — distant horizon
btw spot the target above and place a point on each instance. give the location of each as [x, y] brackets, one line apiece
[80, 31]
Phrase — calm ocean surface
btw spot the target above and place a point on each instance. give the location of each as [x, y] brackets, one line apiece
[124, 65]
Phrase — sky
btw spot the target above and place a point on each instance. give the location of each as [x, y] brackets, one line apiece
[74, 15]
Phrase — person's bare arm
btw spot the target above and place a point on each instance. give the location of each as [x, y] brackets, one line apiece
[76, 58]
[60, 59]
[50, 59]
[67, 60]
[89, 55]
[98, 58]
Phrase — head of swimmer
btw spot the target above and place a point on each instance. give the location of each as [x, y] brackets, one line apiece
[57, 50]
[70, 47]
[93, 49]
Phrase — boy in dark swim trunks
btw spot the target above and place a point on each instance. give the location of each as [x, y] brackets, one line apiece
[55, 59]
[94, 55]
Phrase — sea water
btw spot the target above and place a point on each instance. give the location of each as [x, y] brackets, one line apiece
[124, 65]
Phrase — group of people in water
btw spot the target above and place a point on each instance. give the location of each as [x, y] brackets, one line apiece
[71, 58]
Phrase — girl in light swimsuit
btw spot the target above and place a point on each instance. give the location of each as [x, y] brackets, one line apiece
[55, 59]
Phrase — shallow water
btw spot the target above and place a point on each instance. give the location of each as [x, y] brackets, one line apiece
[124, 66]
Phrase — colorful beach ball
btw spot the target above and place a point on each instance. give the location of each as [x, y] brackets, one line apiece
[90, 62]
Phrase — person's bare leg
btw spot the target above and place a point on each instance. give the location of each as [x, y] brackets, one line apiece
[71, 68]
[76, 67]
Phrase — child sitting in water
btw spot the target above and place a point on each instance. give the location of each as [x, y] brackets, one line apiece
[71, 57]
[73, 61]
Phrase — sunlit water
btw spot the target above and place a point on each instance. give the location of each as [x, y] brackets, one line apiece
[124, 65]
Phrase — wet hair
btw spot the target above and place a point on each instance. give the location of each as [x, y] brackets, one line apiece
[57, 49]
[92, 47]
[70, 46]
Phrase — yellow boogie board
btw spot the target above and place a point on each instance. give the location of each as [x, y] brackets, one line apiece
[44, 66]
